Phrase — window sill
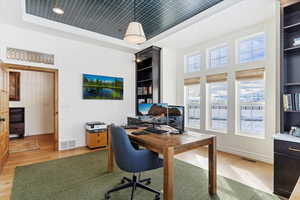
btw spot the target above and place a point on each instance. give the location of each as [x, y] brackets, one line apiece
[262, 137]
[216, 131]
[192, 129]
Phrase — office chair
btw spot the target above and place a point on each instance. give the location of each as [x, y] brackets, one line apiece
[133, 161]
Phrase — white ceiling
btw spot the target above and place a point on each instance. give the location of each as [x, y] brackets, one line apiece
[236, 17]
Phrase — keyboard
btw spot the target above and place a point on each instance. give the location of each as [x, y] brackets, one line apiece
[139, 133]
[130, 127]
[155, 130]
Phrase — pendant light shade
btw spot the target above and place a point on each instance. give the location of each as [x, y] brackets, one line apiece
[135, 33]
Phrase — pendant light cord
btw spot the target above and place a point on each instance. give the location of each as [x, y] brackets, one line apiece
[134, 4]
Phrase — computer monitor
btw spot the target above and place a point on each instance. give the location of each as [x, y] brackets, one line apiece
[153, 113]
[176, 117]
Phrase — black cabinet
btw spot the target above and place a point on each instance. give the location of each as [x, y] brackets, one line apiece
[287, 147]
[16, 123]
[286, 166]
[148, 76]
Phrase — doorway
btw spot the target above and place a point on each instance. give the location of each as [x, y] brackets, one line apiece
[38, 113]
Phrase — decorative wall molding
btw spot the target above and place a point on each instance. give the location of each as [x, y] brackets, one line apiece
[29, 56]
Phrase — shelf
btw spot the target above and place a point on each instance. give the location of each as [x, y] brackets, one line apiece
[144, 95]
[145, 68]
[146, 80]
[292, 49]
[292, 111]
[292, 84]
[292, 27]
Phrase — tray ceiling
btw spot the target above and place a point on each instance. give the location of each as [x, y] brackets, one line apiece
[111, 17]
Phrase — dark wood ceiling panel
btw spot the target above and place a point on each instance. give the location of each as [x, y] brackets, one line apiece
[111, 17]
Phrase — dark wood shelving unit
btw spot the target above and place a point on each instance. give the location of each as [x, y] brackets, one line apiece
[290, 59]
[287, 162]
[148, 76]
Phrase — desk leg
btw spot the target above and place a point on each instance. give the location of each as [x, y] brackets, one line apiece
[212, 165]
[168, 173]
[110, 153]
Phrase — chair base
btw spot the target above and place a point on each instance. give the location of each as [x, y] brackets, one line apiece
[133, 183]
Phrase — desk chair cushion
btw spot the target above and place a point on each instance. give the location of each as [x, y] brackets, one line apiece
[130, 159]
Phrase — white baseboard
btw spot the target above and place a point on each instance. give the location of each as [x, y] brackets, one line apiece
[251, 155]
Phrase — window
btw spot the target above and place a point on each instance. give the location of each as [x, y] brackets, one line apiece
[252, 49]
[217, 102]
[218, 57]
[193, 63]
[192, 102]
[251, 102]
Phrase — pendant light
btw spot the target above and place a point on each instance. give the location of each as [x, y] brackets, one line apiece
[135, 33]
[57, 9]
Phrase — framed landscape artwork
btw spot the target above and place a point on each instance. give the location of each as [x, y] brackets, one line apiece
[102, 87]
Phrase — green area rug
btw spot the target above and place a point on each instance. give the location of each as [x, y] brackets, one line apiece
[84, 177]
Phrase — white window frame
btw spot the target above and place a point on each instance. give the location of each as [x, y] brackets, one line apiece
[208, 50]
[237, 47]
[238, 113]
[208, 110]
[186, 62]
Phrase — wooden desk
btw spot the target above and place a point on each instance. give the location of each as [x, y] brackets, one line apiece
[296, 192]
[170, 145]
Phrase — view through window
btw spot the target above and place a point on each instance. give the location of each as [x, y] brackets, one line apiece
[218, 57]
[193, 63]
[251, 107]
[218, 106]
[252, 49]
[192, 104]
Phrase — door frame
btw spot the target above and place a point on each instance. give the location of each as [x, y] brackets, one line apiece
[55, 72]
[4, 157]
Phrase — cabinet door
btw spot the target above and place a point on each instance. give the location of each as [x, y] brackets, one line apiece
[92, 140]
[102, 139]
[286, 173]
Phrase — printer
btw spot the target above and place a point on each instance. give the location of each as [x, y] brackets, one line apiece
[95, 126]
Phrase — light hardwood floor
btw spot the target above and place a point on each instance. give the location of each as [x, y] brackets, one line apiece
[258, 175]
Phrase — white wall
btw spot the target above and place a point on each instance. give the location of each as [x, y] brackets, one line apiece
[72, 59]
[168, 76]
[37, 97]
[260, 149]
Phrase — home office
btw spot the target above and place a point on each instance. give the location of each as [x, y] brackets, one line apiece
[160, 99]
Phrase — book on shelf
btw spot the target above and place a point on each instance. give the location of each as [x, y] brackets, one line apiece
[144, 90]
[291, 102]
[141, 101]
[149, 100]
[150, 90]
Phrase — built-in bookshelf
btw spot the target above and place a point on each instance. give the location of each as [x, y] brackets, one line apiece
[290, 66]
[148, 76]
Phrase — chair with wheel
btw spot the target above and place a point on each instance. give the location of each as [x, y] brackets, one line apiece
[134, 161]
